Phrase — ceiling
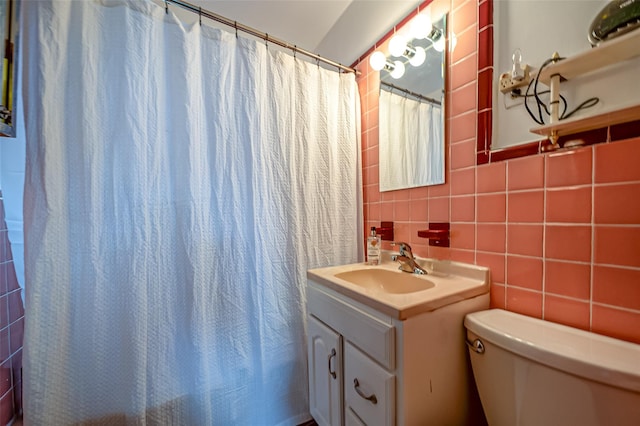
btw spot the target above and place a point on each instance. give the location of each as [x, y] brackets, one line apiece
[340, 30]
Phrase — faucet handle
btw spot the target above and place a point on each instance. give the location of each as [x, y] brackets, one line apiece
[404, 248]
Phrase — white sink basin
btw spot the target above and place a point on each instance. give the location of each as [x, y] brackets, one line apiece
[401, 294]
[397, 282]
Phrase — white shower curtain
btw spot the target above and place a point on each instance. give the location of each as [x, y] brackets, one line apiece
[179, 183]
[411, 142]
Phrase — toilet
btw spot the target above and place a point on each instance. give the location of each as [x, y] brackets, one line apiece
[534, 372]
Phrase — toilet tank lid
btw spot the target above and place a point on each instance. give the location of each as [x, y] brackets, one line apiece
[585, 354]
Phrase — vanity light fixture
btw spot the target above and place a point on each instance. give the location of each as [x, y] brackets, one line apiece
[453, 41]
[397, 71]
[421, 28]
[421, 25]
[437, 38]
[397, 45]
[377, 60]
[416, 55]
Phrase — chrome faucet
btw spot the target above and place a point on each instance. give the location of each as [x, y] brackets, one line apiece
[407, 261]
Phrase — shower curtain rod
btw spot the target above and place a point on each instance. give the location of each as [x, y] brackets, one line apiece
[409, 92]
[252, 31]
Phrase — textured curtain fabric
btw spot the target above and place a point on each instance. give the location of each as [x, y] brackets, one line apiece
[179, 182]
[411, 142]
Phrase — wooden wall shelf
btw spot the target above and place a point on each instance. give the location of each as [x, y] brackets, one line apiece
[596, 121]
[610, 52]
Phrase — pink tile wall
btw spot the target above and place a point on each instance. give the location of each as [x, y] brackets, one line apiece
[560, 231]
[11, 330]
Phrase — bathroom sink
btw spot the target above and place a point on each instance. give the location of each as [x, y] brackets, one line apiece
[400, 294]
[387, 281]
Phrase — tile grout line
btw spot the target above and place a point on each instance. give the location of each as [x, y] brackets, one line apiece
[506, 233]
[544, 234]
[593, 236]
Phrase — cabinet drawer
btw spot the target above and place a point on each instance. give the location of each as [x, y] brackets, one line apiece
[351, 419]
[369, 390]
[370, 334]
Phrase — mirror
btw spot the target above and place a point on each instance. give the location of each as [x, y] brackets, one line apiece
[411, 107]
[8, 49]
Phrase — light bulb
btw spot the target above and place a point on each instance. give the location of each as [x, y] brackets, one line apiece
[453, 42]
[421, 26]
[377, 60]
[398, 70]
[439, 44]
[397, 45]
[418, 57]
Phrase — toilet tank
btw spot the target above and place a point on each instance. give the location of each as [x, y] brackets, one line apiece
[534, 372]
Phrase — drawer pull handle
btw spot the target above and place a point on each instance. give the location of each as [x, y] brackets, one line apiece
[333, 355]
[371, 398]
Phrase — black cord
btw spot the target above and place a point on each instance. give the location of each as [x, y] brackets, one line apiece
[543, 106]
[586, 104]
[534, 83]
[535, 90]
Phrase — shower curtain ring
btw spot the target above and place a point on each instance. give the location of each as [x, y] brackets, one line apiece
[235, 25]
[295, 50]
[166, 7]
[266, 40]
[200, 14]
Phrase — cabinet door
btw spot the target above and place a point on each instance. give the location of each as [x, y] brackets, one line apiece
[369, 389]
[325, 373]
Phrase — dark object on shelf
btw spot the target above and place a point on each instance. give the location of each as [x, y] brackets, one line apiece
[616, 18]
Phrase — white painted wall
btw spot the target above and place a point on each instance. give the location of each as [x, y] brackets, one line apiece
[539, 28]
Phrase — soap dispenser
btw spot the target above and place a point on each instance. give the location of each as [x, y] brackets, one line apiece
[373, 248]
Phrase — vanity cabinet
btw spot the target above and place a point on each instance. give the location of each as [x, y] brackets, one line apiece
[367, 367]
[343, 379]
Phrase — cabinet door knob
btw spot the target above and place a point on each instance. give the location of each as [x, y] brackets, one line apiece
[371, 398]
[333, 355]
